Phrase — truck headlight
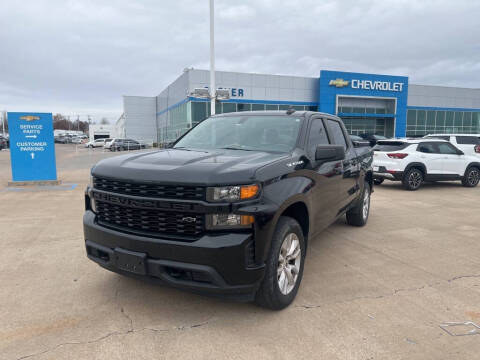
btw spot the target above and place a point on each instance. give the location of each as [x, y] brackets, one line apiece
[232, 193]
[229, 221]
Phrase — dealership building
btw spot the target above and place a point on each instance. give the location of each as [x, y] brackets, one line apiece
[367, 103]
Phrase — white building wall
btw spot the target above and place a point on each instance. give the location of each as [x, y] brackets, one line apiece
[140, 117]
[259, 86]
[103, 130]
[443, 96]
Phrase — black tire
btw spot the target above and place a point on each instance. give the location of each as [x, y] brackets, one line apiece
[358, 216]
[471, 177]
[269, 294]
[413, 179]
[378, 181]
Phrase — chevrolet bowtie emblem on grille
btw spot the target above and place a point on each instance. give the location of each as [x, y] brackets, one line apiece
[29, 117]
[189, 219]
[338, 83]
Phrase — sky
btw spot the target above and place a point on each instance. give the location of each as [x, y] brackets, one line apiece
[78, 57]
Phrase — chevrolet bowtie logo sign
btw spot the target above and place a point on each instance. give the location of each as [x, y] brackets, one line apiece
[29, 117]
[338, 83]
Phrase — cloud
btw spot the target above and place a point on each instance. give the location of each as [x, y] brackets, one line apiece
[81, 56]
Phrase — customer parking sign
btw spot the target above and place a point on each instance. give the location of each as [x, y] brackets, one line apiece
[32, 148]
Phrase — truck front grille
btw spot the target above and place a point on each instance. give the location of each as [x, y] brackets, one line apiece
[150, 222]
[150, 190]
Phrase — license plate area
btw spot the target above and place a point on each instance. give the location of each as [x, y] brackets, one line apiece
[131, 261]
[376, 168]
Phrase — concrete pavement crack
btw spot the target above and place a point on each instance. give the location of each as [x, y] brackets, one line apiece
[463, 277]
[395, 291]
[115, 333]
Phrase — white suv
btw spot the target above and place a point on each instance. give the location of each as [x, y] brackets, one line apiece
[468, 143]
[417, 160]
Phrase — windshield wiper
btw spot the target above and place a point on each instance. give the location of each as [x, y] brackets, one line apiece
[236, 148]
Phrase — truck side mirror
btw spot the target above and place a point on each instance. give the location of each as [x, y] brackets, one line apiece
[329, 153]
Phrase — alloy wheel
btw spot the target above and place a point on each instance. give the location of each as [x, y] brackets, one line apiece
[366, 203]
[473, 177]
[415, 179]
[289, 261]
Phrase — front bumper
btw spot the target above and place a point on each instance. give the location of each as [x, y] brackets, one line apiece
[214, 264]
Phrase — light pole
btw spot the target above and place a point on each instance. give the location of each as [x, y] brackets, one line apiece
[212, 59]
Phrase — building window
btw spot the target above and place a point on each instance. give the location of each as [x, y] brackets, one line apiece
[258, 107]
[411, 117]
[229, 107]
[244, 107]
[199, 111]
[421, 122]
[271, 107]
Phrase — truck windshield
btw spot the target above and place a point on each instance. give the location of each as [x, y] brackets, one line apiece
[254, 133]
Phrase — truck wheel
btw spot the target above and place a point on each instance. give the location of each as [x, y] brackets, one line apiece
[413, 179]
[358, 215]
[471, 177]
[284, 266]
[378, 181]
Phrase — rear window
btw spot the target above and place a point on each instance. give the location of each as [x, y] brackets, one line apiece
[390, 146]
[468, 140]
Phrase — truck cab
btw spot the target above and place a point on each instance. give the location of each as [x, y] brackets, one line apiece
[230, 208]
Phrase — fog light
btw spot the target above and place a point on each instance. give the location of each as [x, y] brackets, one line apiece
[230, 221]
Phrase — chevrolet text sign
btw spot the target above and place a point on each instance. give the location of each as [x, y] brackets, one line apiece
[377, 85]
[32, 149]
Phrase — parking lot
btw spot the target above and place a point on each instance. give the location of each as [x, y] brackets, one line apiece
[378, 292]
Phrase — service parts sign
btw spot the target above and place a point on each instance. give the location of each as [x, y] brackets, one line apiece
[32, 147]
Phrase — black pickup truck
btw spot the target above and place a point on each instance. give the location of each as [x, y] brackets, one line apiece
[230, 208]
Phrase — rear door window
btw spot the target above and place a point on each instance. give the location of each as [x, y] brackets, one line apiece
[468, 140]
[390, 146]
[427, 148]
[336, 131]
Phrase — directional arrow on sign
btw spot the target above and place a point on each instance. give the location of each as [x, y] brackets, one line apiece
[31, 136]
[32, 155]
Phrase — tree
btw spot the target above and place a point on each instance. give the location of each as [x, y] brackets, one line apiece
[61, 122]
[104, 121]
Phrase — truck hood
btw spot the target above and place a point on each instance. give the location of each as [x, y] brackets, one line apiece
[202, 167]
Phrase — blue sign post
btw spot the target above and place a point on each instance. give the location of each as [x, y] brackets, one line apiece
[32, 147]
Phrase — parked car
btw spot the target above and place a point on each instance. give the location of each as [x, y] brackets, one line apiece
[124, 144]
[468, 143]
[76, 140]
[230, 208]
[413, 161]
[108, 143]
[62, 139]
[372, 138]
[359, 141]
[4, 143]
[97, 143]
